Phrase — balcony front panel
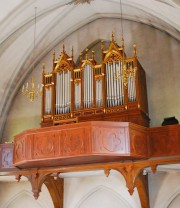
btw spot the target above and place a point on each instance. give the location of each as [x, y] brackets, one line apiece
[165, 141]
[6, 155]
[80, 143]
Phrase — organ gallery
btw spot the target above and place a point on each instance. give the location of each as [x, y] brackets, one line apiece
[94, 117]
[112, 90]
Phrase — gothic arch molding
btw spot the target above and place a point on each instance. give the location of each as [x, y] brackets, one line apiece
[28, 195]
[107, 191]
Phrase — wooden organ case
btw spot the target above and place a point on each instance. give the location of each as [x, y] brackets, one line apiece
[113, 90]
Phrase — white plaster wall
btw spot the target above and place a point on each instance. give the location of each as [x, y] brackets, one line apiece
[164, 189]
[157, 51]
[19, 195]
[99, 191]
[175, 202]
[94, 190]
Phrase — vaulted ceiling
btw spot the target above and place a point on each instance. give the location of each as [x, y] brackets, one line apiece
[56, 19]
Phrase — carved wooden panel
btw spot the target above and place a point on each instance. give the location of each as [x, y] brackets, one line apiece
[20, 148]
[6, 155]
[73, 142]
[165, 141]
[110, 140]
[86, 142]
[139, 141]
[115, 114]
[45, 145]
[94, 142]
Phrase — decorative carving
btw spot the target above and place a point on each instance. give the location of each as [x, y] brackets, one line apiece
[90, 142]
[109, 140]
[112, 142]
[78, 139]
[154, 168]
[36, 179]
[44, 145]
[73, 142]
[114, 57]
[107, 172]
[7, 156]
[130, 171]
[116, 84]
[20, 149]
[114, 110]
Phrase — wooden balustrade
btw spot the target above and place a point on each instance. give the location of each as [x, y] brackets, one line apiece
[88, 143]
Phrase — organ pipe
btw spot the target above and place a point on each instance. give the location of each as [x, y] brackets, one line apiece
[91, 85]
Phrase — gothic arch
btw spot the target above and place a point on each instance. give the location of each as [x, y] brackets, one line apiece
[172, 197]
[27, 195]
[103, 191]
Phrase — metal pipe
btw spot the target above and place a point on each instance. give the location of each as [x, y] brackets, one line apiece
[107, 80]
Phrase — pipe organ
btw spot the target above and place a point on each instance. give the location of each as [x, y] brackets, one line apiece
[113, 90]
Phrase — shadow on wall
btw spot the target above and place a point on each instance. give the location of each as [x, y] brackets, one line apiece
[103, 197]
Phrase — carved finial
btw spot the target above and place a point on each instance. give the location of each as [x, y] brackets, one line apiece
[122, 42]
[63, 47]
[54, 55]
[112, 36]
[87, 53]
[72, 53]
[36, 194]
[135, 51]
[80, 56]
[107, 172]
[18, 177]
[93, 55]
[43, 68]
[154, 168]
[131, 191]
[102, 44]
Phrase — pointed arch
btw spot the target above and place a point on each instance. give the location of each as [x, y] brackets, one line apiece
[103, 191]
[28, 197]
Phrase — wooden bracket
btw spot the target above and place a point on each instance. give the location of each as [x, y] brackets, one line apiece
[154, 168]
[130, 172]
[37, 179]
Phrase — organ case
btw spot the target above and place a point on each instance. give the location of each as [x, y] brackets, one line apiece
[113, 90]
